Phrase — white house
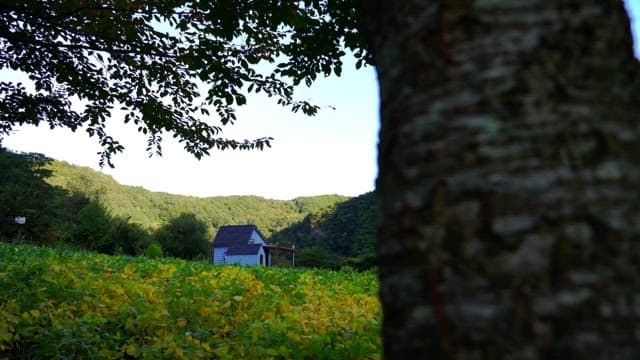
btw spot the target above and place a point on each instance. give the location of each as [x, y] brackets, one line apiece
[240, 244]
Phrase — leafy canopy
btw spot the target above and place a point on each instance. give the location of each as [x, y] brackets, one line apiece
[167, 65]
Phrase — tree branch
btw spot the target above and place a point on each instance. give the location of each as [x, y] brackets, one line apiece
[16, 38]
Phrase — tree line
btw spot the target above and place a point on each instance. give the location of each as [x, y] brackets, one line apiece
[56, 216]
[337, 236]
[77, 206]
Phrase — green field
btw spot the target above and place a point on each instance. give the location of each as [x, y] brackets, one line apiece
[66, 304]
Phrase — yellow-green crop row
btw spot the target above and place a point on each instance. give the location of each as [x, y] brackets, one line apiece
[57, 303]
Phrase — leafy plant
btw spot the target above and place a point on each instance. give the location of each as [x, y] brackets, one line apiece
[76, 304]
[154, 251]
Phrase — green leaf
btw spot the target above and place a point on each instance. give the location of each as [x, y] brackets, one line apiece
[147, 51]
[241, 99]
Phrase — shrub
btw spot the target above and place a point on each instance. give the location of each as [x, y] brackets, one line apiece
[184, 237]
[154, 251]
[317, 257]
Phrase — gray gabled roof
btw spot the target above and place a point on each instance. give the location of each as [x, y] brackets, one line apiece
[235, 235]
[252, 249]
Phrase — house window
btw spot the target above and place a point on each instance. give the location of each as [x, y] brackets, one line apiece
[261, 259]
[251, 241]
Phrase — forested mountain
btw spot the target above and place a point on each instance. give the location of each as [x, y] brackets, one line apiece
[338, 235]
[67, 204]
[152, 209]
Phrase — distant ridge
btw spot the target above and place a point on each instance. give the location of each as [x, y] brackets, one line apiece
[150, 208]
[328, 230]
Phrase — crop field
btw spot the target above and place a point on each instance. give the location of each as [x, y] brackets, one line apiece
[66, 304]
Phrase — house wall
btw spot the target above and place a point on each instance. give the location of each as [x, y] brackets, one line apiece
[218, 255]
[256, 238]
[246, 259]
[265, 260]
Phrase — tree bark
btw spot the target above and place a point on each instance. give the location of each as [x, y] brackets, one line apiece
[509, 178]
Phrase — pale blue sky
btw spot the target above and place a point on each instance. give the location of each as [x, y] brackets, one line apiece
[331, 153]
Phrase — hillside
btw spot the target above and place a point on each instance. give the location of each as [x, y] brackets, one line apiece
[71, 204]
[327, 237]
[151, 209]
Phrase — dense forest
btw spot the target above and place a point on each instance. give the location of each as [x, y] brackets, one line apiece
[343, 234]
[67, 205]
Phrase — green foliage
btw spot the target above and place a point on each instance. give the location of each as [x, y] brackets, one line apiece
[317, 257]
[344, 230]
[55, 215]
[25, 192]
[93, 228]
[64, 304]
[184, 237]
[167, 65]
[128, 238]
[363, 262]
[79, 206]
[154, 251]
[151, 209]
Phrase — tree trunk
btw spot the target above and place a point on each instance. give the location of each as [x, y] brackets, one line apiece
[509, 179]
